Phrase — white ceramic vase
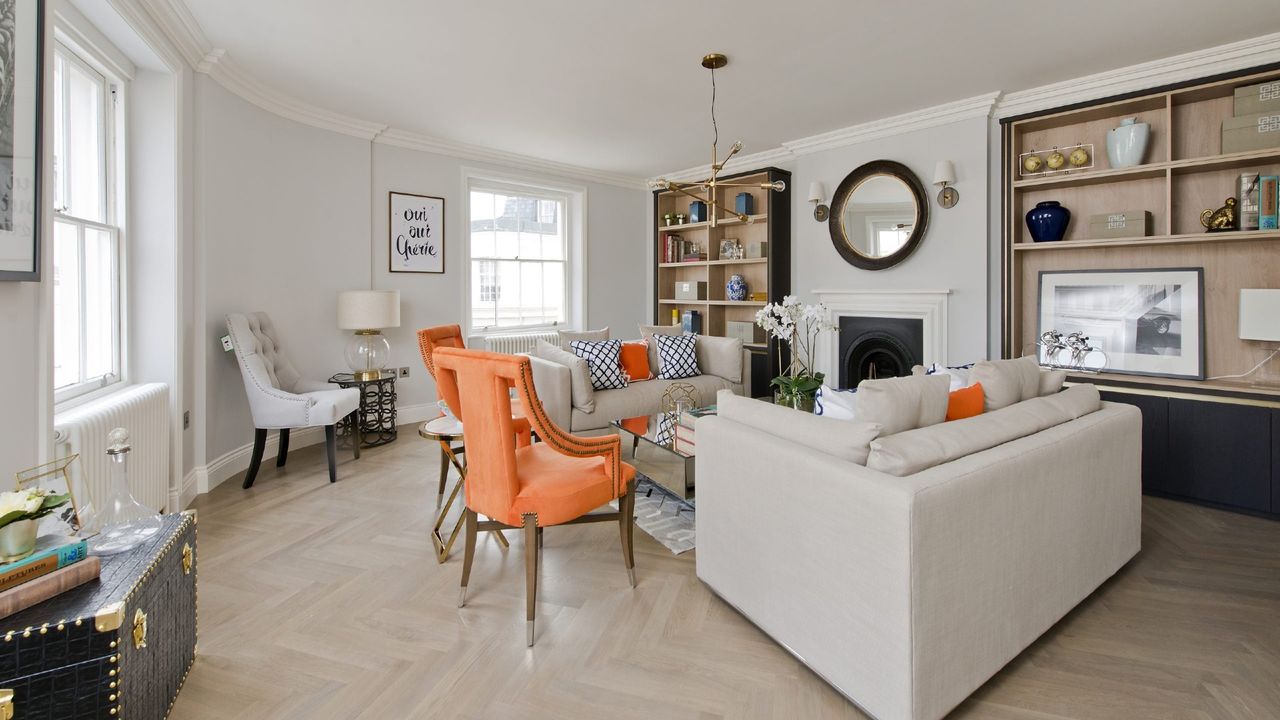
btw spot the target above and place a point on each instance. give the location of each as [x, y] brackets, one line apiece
[17, 540]
[1127, 144]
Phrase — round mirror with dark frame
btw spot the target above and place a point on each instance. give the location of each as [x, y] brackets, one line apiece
[879, 215]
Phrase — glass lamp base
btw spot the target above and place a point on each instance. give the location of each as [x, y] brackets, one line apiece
[367, 353]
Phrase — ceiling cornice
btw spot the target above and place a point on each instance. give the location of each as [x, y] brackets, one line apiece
[183, 31]
[977, 106]
[1195, 65]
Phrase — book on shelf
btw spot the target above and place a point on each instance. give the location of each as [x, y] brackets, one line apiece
[684, 447]
[694, 257]
[23, 596]
[51, 553]
[1268, 218]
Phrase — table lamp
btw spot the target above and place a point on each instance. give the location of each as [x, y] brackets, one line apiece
[367, 312]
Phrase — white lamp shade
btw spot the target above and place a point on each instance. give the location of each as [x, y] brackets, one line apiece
[815, 192]
[368, 309]
[944, 173]
[1260, 314]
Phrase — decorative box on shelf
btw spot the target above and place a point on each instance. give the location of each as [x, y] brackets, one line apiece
[691, 290]
[1254, 99]
[1123, 224]
[117, 647]
[1260, 131]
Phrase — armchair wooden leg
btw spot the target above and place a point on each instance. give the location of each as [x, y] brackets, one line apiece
[530, 572]
[331, 449]
[259, 444]
[357, 433]
[626, 526]
[282, 455]
[468, 553]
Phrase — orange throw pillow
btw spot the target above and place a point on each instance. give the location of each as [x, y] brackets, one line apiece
[635, 360]
[965, 402]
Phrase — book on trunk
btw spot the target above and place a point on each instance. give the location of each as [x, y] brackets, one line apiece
[48, 586]
[52, 552]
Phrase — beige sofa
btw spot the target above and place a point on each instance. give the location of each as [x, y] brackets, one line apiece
[906, 587]
[723, 362]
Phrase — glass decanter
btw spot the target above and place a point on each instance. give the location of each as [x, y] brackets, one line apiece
[121, 523]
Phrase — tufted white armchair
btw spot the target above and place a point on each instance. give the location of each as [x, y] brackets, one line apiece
[281, 399]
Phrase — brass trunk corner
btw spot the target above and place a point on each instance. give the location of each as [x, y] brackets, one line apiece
[109, 617]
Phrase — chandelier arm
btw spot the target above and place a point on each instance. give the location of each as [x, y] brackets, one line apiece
[692, 195]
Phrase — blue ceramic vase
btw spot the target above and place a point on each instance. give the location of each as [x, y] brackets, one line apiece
[1047, 221]
[736, 288]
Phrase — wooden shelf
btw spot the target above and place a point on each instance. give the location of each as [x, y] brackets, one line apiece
[670, 301]
[1092, 177]
[738, 303]
[1184, 239]
[691, 263]
[1224, 162]
[1106, 379]
[744, 261]
[752, 219]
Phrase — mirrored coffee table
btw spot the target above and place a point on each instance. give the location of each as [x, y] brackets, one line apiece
[659, 430]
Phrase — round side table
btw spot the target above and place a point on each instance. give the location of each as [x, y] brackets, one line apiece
[447, 430]
[377, 411]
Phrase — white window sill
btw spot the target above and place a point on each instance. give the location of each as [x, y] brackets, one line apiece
[60, 406]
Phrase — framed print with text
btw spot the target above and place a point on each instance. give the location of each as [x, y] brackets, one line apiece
[416, 233]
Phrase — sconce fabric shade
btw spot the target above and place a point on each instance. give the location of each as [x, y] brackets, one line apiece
[368, 309]
[815, 192]
[1260, 314]
[944, 173]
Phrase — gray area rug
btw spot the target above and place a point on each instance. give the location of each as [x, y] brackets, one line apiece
[665, 517]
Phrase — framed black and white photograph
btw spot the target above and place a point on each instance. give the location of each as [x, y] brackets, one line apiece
[21, 43]
[1147, 322]
[416, 233]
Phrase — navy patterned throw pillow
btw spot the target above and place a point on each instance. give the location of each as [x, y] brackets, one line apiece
[604, 362]
[677, 357]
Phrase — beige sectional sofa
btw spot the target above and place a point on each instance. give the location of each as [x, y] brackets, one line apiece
[912, 567]
[564, 386]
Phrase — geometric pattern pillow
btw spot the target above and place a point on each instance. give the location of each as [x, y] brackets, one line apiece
[677, 356]
[604, 362]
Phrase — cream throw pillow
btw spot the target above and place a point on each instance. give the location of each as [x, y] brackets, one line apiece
[1005, 382]
[568, 336]
[846, 439]
[581, 392]
[1051, 381]
[906, 403]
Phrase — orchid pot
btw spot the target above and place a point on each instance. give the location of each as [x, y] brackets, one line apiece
[19, 512]
[799, 326]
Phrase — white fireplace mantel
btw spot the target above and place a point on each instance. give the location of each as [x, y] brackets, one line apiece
[928, 306]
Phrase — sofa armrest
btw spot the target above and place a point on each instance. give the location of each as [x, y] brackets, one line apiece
[554, 387]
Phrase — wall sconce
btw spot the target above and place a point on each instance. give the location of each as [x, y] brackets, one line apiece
[820, 211]
[944, 174]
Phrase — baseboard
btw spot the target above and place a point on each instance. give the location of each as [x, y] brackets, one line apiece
[414, 414]
[189, 489]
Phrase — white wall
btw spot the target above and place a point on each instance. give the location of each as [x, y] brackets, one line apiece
[289, 215]
[20, 388]
[954, 252]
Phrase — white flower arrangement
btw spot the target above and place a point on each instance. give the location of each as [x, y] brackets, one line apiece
[798, 325]
[28, 504]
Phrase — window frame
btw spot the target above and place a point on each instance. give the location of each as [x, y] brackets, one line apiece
[112, 104]
[573, 202]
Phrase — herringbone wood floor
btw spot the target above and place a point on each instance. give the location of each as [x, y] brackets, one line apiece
[325, 601]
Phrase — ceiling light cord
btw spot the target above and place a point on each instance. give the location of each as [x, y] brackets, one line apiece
[715, 140]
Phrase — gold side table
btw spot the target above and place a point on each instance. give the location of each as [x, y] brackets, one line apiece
[446, 431]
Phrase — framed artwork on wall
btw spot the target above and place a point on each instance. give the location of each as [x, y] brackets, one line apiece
[1147, 322]
[21, 51]
[416, 233]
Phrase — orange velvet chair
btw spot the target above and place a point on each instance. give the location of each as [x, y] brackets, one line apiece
[428, 340]
[522, 485]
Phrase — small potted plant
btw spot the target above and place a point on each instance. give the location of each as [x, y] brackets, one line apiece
[19, 513]
[798, 325]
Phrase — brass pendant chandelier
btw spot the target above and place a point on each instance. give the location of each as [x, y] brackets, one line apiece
[713, 62]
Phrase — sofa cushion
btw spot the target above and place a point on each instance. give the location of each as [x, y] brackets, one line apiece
[917, 450]
[568, 336]
[1051, 381]
[966, 402]
[677, 356]
[845, 439]
[643, 399]
[1005, 382]
[580, 389]
[905, 403]
[635, 361]
[648, 331]
[604, 361]
[720, 356]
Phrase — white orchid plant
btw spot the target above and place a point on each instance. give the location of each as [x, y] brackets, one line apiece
[799, 325]
[30, 504]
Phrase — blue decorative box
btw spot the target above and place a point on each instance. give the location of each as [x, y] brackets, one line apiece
[697, 211]
[744, 204]
[691, 322]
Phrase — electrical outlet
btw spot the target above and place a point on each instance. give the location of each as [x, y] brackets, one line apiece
[226, 343]
[404, 372]
[186, 419]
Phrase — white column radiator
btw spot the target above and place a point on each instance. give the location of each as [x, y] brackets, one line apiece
[522, 343]
[141, 409]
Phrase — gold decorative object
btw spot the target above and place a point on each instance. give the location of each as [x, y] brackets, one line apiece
[186, 558]
[6, 704]
[55, 476]
[1222, 219]
[680, 393]
[1056, 160]
[713, 62]
[139, 629]
[1032, 163]
[1078, 157]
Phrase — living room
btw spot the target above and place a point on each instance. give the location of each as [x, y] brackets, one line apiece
[918, 360]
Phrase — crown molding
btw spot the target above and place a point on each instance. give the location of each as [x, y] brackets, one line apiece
[977, 106]
[1194, 65]
[183, 32]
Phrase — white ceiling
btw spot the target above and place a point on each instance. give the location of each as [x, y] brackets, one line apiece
[616, 85]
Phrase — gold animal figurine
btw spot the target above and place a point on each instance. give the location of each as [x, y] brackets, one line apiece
[1222, 219]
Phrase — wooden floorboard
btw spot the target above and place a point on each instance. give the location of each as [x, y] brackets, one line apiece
[325, 601]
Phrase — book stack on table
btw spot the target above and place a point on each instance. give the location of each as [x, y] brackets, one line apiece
[57, 565]
[685, 429]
